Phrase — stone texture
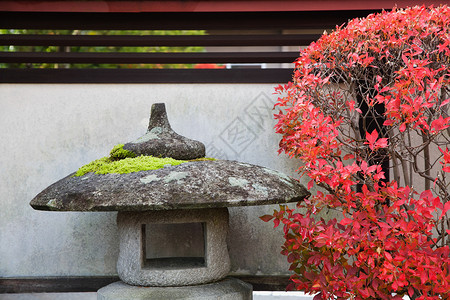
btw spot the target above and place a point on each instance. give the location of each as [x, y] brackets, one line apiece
[198, 184]
[131, 262]
[161, 141]
[227, 289]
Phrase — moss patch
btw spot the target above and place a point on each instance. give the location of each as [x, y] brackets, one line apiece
[204, 159]
[122, 161]
[118, 152]
[106, 165]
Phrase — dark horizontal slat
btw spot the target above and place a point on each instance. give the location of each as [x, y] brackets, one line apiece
[148, 58]
[54, 284]
[174, 21]
[145, 75]
[158, 40]
[92, 284]
[266, 283]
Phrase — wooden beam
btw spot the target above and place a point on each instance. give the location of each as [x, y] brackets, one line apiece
[205, 5]
[147, 58]
[274, 76]
[158, 40]
[266, 283]
[54, 284]
[179, 20]
[92, 284]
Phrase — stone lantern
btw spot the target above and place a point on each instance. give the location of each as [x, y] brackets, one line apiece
[172, 221]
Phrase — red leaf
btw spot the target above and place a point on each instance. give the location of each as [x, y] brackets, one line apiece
[371, 138]
[294, 225]
[410, 291]
[347, 221]
[381, 143]
[443, 46]
[439, 124]
[276, 222]
[364, 166]
[318, 296]
[445, 102]
[445, 209]
[388, 256]
[266, 218]
[348, 156]
[364, 293]
[423, 277]
[374, 142]
[310, 184]
[388, 122]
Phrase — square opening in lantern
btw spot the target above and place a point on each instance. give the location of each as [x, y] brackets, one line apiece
[173, 246]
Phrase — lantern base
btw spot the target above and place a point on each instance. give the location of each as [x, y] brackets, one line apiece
[227, 289]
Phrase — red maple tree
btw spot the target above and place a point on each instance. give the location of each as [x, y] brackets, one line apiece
[367, 113]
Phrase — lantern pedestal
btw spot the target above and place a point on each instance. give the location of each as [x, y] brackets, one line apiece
[226, 289]
[174, 254]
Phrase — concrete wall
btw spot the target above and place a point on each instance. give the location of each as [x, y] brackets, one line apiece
[48, 131]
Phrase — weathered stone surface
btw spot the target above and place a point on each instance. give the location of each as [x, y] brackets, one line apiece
[198, 184]
[131, 264]
[161, 141]
[227, 289]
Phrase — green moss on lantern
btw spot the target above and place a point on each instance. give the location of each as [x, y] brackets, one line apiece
[118, 152]
[106, 165]
[122, 161]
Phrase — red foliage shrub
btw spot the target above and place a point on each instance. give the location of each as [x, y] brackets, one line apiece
[370, 102]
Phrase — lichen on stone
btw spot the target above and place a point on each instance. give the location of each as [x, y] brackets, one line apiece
[149, 178]
[260, 189]
[175, 176]
[240, 182]
[150, 135]
[283, 177]
[52, 203]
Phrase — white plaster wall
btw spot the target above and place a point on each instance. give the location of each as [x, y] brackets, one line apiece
[49, 130]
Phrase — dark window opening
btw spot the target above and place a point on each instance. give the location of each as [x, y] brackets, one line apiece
[173, 246]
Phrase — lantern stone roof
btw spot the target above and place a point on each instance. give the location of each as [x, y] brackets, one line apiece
[197, 184]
